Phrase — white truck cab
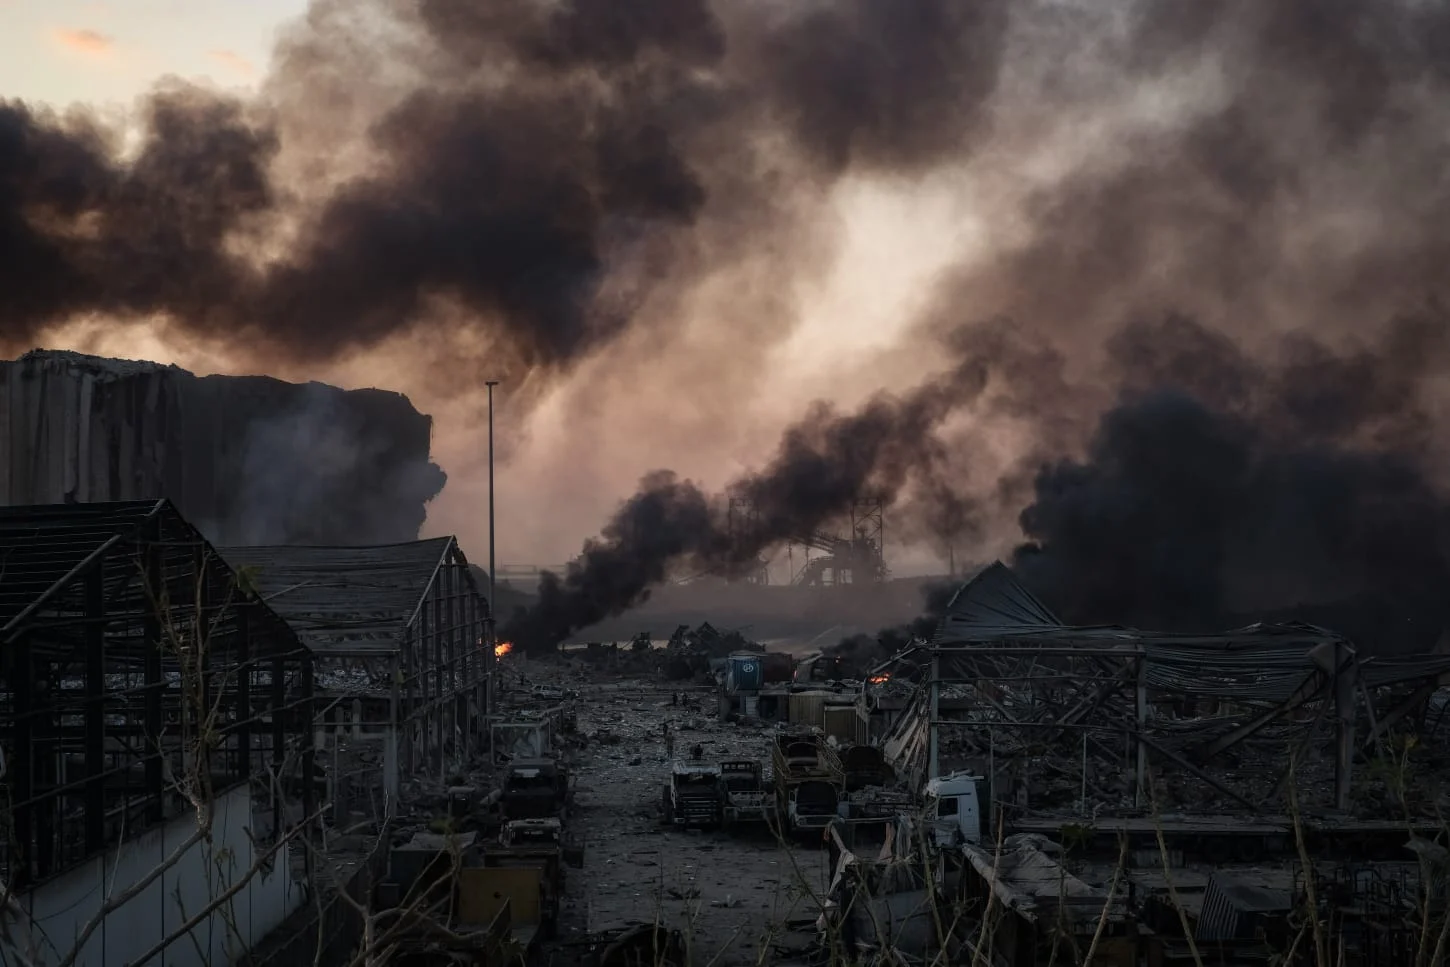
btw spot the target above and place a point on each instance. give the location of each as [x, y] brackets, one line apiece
[953, 810]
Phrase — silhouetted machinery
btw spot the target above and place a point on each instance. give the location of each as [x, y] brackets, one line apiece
[856, 560]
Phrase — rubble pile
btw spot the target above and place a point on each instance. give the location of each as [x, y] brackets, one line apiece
[690, 654]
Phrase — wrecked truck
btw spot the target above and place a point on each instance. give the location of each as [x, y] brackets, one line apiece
[811, 805]
[747, 800]
[953, 810]
[694, 795]
[537, 851]
[808, 781]
[536, 789]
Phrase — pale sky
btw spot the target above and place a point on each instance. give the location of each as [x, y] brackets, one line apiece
[109, 51]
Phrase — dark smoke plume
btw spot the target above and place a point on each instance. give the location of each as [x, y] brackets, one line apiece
[1265, 175]
[1225, 486]
[529, 153]
[887, 450]
[1273, 446]
[1271, 442]
[1219, 485]
[857, 655]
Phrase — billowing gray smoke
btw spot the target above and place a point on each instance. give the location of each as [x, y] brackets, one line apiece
[544, 148]
[1224, 361]
[824, 464]
[1265, 175]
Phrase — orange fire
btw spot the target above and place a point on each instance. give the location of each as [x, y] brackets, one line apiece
[502, 648]
[878, 679]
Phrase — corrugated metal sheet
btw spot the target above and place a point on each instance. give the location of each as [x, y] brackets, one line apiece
[1235, 910]
[992, 603]
[40, 546]
[355, 600]
[807, 708]
[842, 723]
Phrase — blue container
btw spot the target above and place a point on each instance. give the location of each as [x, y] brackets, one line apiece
[745, 673]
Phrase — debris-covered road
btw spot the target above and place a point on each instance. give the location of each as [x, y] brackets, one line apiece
[729, 894]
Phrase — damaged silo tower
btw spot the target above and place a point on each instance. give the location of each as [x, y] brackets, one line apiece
[249, 459]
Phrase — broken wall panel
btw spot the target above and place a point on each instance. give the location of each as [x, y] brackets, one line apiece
[249, 459]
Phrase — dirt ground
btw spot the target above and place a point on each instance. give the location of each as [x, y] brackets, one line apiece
[731, 895]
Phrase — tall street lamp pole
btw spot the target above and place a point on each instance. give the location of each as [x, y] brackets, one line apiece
[492, 581]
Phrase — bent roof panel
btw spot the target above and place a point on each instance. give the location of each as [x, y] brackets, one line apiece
[346, 600]
[994, 603]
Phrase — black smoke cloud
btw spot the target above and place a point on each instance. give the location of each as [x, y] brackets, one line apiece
[1225, 487]
[512, 177]
[80, 231]
[891, 449]
[825, 463]
[1267, 440]
[1217, 487]
[1266, 175]
[857, 655]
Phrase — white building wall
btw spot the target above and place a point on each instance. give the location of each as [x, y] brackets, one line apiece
[60, 908]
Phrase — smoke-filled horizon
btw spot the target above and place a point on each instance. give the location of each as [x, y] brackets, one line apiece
[1206, 234]
[1215, 485]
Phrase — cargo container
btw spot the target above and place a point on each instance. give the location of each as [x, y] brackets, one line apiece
[744, 673]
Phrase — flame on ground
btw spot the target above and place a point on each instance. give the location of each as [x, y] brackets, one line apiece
[878, 679]
[502, 648]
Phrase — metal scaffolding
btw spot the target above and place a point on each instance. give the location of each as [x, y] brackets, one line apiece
[137, 674]
[1217, 717]
[857, 559]
[399, 634]
[742, 522]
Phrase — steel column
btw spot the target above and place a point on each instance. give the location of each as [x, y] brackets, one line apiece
[95, 716]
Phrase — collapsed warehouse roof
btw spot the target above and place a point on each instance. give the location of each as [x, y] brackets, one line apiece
[349, 602]
[1217, 714]
[404, 624]
[106, 613]
[994, 602]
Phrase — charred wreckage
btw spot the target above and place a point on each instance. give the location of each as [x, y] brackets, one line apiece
[1014, 790]
[336, 722]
